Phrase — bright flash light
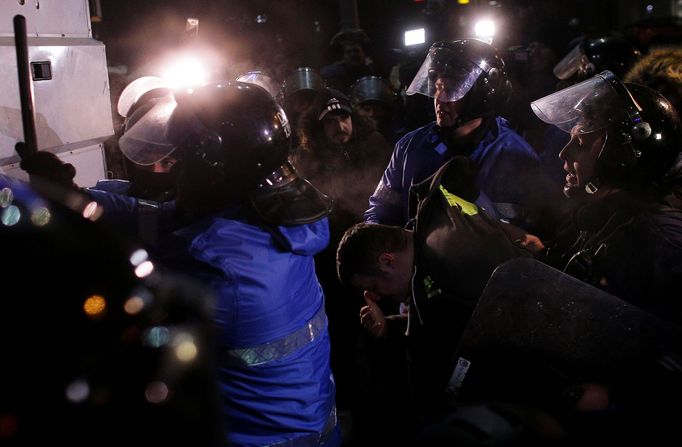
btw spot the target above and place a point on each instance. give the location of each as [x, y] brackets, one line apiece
[415, 37]
[186, 72]
[485, 29]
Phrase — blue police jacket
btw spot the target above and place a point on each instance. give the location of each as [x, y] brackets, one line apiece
[508, 169]
[275, 376]
[274, 370]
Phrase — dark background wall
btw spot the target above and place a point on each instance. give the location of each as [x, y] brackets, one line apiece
[259, 34]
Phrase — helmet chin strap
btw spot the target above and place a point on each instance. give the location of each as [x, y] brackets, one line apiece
[593, 185]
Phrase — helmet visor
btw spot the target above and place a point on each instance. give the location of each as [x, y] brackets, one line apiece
[457, 74]
[592, 104]
[569, 65]
[136, 89]
[147, 141]
[261, 80]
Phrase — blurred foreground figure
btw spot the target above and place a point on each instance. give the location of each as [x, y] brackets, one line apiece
[99, 348]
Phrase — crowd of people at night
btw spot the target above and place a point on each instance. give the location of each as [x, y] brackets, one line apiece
[468, 250]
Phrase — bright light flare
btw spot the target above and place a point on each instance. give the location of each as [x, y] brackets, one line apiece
[186, 72]
[415, 37]
[484, 29]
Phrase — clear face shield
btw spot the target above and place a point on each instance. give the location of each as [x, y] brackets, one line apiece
[147, 141]
[134, 91]
[457, 76]
[575, 60]
[592, 105]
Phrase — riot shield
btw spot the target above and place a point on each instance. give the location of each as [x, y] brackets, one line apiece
[537, 333]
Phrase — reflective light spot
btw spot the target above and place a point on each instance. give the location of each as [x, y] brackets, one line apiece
[10, 215]
[138, 257]
[649, 9]
[41, 217]
[91, 211]
[156, 337]
[185, 348]
[658, 136]
[144, 269]
[133, 305]
[95, 305]
[6, 197]
[156, 392]
[77, 391]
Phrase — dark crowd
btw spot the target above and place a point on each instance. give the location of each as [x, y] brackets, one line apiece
[479, 246]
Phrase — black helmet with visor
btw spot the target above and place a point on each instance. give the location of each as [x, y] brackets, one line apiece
[643, 129]
[472, 67]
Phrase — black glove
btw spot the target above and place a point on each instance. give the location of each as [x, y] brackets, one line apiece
[47, 166]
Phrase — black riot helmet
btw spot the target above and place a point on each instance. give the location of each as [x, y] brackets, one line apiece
[262, 79]
[232, 141]
[592, 56]
[158, 180]
[99, 346]
[475, 70]
[643, 135]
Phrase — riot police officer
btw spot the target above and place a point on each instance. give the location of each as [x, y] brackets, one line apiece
[468, 83]
[249, 228]
[591, 56]
[622, 237]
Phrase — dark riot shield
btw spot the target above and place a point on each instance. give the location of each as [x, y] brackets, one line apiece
[537, 332]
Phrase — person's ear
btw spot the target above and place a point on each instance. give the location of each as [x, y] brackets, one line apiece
[386, 260]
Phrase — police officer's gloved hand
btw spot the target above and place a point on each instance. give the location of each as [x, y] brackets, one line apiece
[47, 166]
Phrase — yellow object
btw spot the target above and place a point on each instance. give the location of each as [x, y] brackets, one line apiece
[467, 208]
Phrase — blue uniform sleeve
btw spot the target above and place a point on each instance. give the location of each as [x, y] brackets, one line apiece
[119, 210]
[142, 220]
[385, 204]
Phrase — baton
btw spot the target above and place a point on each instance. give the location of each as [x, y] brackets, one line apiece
[30, 145]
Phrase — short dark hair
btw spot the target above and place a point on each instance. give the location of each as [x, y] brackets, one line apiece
[361, 246]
